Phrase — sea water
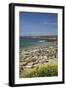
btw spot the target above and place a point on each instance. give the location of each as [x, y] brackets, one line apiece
[28, 41]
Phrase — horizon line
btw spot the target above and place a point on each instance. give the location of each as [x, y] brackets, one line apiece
[40, 35]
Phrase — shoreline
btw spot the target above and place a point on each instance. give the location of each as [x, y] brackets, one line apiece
[32, 57]
[30, 47]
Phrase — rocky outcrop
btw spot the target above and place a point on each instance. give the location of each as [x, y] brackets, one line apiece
[32, 57]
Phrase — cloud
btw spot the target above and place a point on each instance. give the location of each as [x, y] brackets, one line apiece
[52, 23]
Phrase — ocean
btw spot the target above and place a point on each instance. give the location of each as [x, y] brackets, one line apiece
[28, 41]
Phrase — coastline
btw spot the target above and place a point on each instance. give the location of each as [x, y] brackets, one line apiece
[32, 57]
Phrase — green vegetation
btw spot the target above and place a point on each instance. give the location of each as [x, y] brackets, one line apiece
[43, 70]
[48, 37]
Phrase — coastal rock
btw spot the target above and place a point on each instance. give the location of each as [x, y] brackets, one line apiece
[32, 57]
[28, 59]
[36, 62]
[28, 67]
[45, 57]
[30, 64]
[23, 63]
[26, 53]
[26, 56]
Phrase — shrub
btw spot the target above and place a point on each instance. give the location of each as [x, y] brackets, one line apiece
[43, 70]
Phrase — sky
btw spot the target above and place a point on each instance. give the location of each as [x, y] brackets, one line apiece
[38, 24]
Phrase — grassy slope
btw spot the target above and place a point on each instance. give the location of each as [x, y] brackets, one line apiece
[43, 70]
